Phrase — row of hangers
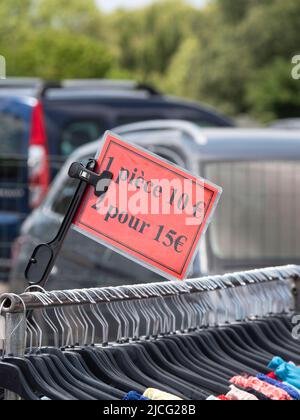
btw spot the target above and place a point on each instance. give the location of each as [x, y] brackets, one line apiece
[189, 345]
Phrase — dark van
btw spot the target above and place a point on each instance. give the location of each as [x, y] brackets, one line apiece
[41, 124]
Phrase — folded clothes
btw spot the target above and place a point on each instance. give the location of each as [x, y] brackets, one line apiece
[270, 391]
[273, 376]
[292, 393]
[258, 395]
[293, 387]
[157, 395]
[285, 371]
[222, 398]
[134, 396]
[236, 394]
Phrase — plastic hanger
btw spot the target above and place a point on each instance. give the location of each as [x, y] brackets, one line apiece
[12, 379]
[33, 378]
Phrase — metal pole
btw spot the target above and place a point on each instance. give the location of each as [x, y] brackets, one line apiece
[15, 328]
[14, 304]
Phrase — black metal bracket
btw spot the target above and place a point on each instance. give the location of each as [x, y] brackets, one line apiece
[44, 256]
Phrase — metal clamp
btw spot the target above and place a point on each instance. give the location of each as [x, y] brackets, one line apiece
[44, 256]
[100, 182]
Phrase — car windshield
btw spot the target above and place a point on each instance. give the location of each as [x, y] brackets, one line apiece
[258, 215]
[12, 130]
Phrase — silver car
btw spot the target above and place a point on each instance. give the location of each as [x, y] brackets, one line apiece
[255, 225]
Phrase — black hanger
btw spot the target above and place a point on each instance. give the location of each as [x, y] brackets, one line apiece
[101, 366]
[60, 379]
[124, 362]
[230, 347]
[257, 333]
[123, 359]
[194, 353]
[100, 390]
[277, 332]
[242, 332]
[176, 370]
[12, 379]
[173, 355]
[183, 356]
[33, 378]
[212, 350]
[69, 377]
[136, 360]
[41, 367]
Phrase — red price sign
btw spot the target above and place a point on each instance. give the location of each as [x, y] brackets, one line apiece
[153, 212]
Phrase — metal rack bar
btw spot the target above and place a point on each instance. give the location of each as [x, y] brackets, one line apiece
[15, 304]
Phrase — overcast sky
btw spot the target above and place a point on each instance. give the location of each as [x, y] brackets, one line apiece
[109, 5]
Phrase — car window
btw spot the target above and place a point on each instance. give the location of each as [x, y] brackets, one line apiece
[201, 122]
[129, 119]
[63, 199]
[78, 133]
[258, 214]
[12, 131]
[66, 192]
[161, 142]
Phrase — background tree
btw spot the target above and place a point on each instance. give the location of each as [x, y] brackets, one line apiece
[148, 38]
[38, 40]
[233, 54]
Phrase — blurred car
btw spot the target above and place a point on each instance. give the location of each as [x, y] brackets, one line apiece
[41, 124]
[255, 225]
[286, 124]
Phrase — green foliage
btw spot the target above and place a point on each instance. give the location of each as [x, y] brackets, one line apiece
[54, 55]
[233, 54]
[274, 93]
[37, 40]
[240, 61]
[76, 16]
[148, 38]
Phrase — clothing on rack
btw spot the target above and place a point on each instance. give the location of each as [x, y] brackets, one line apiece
[135, 396]
[285, 387]
[157, 395]
[268, 390]
[287, 372]
[223, 398]
[258, 395]
[261, 387]
[236, 394]
[193, 365]
[292, 387]
[194, 346]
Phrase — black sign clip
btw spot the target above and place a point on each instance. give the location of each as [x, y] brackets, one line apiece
[44, 256]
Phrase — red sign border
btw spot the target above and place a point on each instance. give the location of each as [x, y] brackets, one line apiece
[108, 140]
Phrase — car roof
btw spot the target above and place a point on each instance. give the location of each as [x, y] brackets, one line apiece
[216, 143]
[291, 123]
[122, 92]
[202, 145]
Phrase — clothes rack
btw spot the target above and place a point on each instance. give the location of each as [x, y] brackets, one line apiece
[149, 310]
